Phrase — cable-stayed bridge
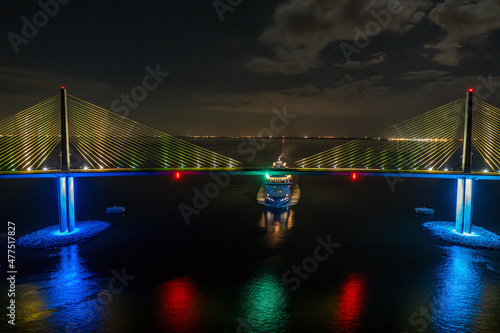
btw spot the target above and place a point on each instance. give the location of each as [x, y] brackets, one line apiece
[104, 139]
[425, 142]
[117, 146]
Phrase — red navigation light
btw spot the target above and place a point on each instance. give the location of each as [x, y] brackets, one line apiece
[63, 87]
[177, 175]
[354, 176]
[471, 90]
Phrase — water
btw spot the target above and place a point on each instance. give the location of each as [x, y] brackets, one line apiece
[234, 268]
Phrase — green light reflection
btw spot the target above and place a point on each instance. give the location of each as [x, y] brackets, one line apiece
[264, 305]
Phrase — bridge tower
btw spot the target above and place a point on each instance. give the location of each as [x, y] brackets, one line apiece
[66, 184]
[463, 221]
[65, 163]
[467, 153]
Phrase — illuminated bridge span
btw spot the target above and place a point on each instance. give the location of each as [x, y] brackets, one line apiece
[418, 147]
[424, 142]
[103, 138]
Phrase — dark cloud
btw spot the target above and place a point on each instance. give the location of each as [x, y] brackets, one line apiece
[303, 28]
[423, 75]
[376, 58]
[464, 23]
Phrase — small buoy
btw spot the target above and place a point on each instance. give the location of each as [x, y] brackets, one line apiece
[424, 211]
[115, 210]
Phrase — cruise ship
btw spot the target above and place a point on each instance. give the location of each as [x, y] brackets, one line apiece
[278, 187]
[278, 190]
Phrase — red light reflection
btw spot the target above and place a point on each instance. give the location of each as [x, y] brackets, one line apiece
[178, 308]
[352, 300]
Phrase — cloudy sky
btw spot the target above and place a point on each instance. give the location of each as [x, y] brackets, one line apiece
[343, 67]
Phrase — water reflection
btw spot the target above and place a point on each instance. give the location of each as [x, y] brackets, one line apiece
[349, 311]
[459, 290]
[65, 296]
[276, 221]
[264, 305]
[178, 306]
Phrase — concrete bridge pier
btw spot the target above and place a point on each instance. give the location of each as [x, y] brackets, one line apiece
[465, 196]
[66, 204]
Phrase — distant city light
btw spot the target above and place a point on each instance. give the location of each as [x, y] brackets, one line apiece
[446, 169]
[44, 169]
[485, 170]
[430, 169]
[85, 168]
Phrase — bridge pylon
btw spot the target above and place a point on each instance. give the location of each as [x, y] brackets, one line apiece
[467, 149]
[66, 184]
[65, 163]
[465, 191]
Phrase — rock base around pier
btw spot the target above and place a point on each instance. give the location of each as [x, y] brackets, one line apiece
[479, 238]
[50, 237]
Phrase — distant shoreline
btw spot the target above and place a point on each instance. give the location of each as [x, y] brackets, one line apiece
[276, 137]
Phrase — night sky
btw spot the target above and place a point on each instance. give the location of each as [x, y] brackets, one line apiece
[226, 76]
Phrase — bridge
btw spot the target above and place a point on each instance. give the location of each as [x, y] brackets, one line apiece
[113, 145]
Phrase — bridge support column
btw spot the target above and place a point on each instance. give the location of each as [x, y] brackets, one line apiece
[65, 162]
[66, 204]
[465, 193]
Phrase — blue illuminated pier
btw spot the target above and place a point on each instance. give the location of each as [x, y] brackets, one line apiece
[66, 204]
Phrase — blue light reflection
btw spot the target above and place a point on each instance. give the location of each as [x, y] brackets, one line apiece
[459, 290]
[68, 294]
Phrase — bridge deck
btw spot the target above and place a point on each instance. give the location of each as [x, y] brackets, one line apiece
[250, 172]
